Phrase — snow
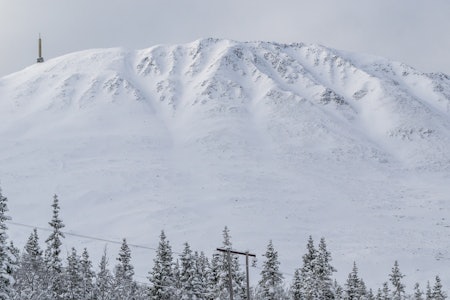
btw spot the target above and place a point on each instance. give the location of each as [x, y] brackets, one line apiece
[275, 141]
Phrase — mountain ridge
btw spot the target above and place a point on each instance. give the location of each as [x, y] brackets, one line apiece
[199, 135]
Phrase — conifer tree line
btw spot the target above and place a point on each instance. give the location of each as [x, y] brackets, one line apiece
[36, 273]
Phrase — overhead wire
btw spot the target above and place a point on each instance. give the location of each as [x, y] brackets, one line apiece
[113, 242]
[83, 236]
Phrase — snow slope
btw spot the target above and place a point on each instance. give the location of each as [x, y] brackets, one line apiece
[276, 141]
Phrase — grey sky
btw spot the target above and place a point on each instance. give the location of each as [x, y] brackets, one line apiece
[412, 31]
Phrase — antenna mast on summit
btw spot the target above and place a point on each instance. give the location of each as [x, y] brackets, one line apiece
[40, 59]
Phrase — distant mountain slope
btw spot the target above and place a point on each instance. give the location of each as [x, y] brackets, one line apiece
[276, 141]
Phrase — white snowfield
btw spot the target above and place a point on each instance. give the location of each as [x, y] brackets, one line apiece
[276, 141]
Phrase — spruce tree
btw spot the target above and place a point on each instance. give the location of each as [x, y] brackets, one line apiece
[87, 275]
[123, 275]
[362, 289]
[429, 292]
[398, 291]
[5, 270]
[162, 277]
[203, 280]
[370, 295]
[324, 271]
[141, 292]
[353, 285]
[308, 273]
[296, 286]
[13, 266]
[438, 293]
[338, 292]
[104, 280]
[418, 294]
[30, 277]
[52, 254]
[188, 273]
[215, 275]
[385, 292]
[379, 295]
[73, 277]
[178, 292]
[271, 284]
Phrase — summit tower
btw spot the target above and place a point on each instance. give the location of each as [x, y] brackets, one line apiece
[40, 59]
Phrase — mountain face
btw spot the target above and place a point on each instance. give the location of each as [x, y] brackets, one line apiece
[275, 141]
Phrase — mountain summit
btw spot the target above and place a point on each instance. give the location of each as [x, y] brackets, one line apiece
[277, 141]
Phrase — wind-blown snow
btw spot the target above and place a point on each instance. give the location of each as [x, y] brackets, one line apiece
[276, 141]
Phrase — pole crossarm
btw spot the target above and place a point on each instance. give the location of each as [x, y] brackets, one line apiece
[236, 252]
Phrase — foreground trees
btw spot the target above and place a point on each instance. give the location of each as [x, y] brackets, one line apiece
[6, 268]
[36, 274]
[162, 277]
[52, 257]
[271, 284]
[314, 279]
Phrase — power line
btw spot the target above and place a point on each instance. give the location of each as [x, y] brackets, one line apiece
[111, 241]
[148, 284]
[84, 236]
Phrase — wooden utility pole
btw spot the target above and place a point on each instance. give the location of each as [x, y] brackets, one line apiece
[230, 278]
[247, 254]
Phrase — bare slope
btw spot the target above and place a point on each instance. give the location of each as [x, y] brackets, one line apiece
[276, 141]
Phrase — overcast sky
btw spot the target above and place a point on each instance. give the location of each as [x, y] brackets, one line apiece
[412, 31]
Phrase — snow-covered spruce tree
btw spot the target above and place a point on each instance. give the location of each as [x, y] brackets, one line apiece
[162, 277]
[352, 284]
[363, 289]
[355, 288]
[398, 288]
[429, 292]
[438, 293]
[384, 293]
[141, 292]
[73, 277]
[104, 280]
[379, 295]
[214, 273]
[308, 272]
[338, 291]
[124, 287]
[324, 271]
[29, 278]
[188, 273]
[203, 279]
[87, 275]
[309, 285]
[6, 279]
[296, 286]
[370, 295]
[271, 284]
[418, 294]
[52, 254]
[13, 265]
[222, 265]
[178, 292]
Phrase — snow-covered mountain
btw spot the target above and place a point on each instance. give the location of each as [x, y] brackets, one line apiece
[276, 141]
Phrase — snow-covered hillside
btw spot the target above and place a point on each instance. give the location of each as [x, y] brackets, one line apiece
[276, 141]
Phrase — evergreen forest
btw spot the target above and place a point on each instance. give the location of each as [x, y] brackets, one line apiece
[45, 273]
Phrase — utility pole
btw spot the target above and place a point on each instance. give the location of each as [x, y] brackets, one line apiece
[247, 254]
